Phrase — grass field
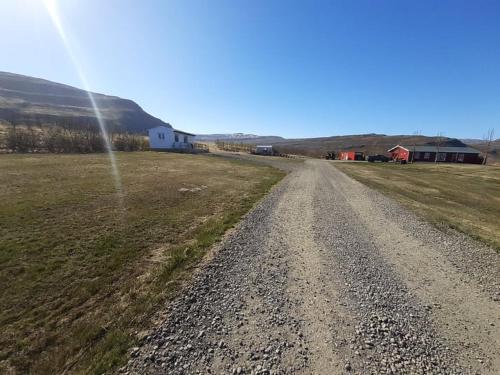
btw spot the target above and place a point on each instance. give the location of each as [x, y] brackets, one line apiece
[82, 270]
[464, 197]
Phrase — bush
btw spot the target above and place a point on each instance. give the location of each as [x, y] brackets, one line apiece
[67, 137]
[129, 142]
[23, 140]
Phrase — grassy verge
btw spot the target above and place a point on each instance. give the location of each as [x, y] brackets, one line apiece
[464, 197]
[83, 270]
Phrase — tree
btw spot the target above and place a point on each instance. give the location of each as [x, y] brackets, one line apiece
[416, 134]
[488, 138]
[11, 138]
[439, 141]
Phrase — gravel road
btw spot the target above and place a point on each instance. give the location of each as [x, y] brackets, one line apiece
[326, 276]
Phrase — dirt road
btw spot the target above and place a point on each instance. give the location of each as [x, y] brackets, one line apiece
[326, 276]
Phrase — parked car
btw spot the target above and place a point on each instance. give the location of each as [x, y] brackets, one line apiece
[330, 155]
[375, 158]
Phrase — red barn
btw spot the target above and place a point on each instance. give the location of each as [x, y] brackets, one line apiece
[433, 153]
[351, 155]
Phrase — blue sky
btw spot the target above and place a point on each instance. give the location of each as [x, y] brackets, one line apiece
[290, 68]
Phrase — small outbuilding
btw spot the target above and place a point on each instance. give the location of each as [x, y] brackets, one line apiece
[351, 155]
[411, 154]
[264, 150]
[165, 137]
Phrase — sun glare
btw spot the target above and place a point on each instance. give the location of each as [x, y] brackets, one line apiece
[53, 11]
[52, 7]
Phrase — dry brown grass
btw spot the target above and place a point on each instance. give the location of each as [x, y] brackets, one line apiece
[465, 197]
[82, 271]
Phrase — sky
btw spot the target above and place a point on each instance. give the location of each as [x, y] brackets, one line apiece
[290, 68]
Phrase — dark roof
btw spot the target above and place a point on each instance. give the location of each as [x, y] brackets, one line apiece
[180, 131]
[461, 150]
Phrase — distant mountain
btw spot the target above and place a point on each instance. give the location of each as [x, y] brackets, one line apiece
[226, 136]
[28, 100]
[238, 137]
[317, 147]
[472, 141]
[368, 143]
[493, 149]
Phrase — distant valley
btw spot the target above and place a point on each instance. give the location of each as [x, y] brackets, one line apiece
[33, 101]
[367, 143]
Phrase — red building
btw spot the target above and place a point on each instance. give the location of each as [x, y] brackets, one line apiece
[351, 155]
[433, 153]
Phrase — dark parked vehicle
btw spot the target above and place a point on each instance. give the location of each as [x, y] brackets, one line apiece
[330, 155]
[380, 158]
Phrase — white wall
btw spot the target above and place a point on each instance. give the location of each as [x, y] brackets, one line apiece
[263, 149]
[181, 143]
[167, 141]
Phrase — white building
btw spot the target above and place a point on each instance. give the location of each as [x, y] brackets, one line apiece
[165, 137]
[264, 150]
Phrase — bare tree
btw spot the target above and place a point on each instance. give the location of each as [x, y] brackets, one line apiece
[488, 138]
[439, 142]
[416, 134]
[11, 137]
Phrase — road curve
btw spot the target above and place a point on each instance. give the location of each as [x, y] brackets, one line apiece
[326, 276]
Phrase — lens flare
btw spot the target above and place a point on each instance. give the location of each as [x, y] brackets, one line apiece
[53, 11]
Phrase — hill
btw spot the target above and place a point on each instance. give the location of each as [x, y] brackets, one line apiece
[494, 150]
[471, 141]
[240, 138]
[368, 143]
[29, 100]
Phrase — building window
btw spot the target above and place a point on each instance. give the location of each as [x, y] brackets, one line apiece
[417, 155]
[460, 157]
[159, 135]
[442, 156]
[427, 155]
[177, 137]
[185, 139]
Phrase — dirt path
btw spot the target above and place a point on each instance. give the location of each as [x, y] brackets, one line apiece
[326, 276]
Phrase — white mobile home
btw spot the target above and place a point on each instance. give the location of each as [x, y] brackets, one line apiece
[183, 139]
[264, 150]
[165, 138]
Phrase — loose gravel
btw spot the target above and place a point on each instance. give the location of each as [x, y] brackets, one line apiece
[307, 284]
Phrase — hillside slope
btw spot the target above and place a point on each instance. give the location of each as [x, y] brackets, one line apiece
[368, 143]
[494, 150]
[239, 138]
[318, 147]
[29, 100]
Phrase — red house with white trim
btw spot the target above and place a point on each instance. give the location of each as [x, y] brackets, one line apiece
[433, 153]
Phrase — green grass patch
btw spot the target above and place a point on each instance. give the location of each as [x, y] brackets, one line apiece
[83, 271]
[463, 197]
